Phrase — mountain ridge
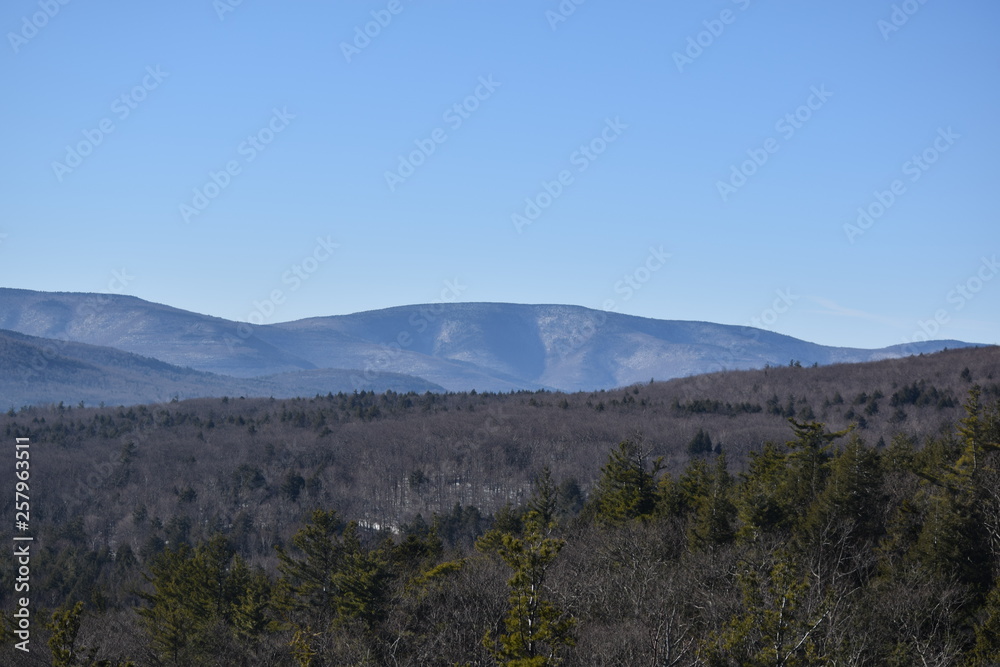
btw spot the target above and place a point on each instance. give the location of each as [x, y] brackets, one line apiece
[36, 371]
[488, 346]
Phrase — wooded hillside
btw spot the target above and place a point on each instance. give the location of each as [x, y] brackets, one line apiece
[835, 515]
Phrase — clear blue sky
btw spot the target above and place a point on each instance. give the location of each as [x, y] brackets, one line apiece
[310, 129]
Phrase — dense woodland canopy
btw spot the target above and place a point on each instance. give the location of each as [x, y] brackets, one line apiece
[791, 516]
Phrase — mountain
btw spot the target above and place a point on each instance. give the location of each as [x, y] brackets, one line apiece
[43, 370]
[455, 346]
[176, 336]
[569, 348]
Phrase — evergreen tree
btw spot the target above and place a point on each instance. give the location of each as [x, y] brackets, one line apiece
[65, 628]
[536, 632]
[715, 512]
[849, 504]
[773, 627]
[701, 443]
[809, 452]
[250, 610]
[762, 502]
[626, 490]
[960, 534]
[192, 595]
[693, 485]
[987, 648]
[361, 582]
[308, 580]
[543, 506]
[952, 541]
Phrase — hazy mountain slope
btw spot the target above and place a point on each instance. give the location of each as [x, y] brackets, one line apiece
[564, 347]
[176, 336]
[36, 371]
[458, 346]
[466, 346]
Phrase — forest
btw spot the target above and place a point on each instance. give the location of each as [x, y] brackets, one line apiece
[841, 515]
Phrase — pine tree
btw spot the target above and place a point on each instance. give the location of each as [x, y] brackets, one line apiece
[544, 504]
[979, 432]
[626, 490]
[191, 595]
[762, 502]
[701, 443]
[809, 452]
[536, 632]
[960, 534]
[987, 648]
[361, 582]
[772, 628]
[308, 580]
[65, 628]
[850, 500]
[250, 610]
[712, 524]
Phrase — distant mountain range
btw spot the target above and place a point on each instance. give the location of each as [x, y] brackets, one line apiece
[120, 349]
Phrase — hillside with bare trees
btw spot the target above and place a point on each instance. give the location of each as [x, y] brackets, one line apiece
[684, 484]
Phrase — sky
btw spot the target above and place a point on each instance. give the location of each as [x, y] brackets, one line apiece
[823, 170]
